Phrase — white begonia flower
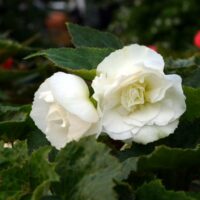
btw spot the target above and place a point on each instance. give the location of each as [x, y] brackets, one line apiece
[136, 100]
[62, 109]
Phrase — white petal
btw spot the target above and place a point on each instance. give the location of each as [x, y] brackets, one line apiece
[166, 113]
[176, 82]
[149, 134]
[154, 60]
[72, 93]
[95, 129]
[128, 59]
[60, 136]
[157, 85]
[57, 136]
[78, 128]
[113, 122]
[144, 115]
[121, 135]
[176, 94]
[173, 104]
[40, 108]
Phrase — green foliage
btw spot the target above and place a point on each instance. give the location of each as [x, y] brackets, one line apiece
[87, 171]
[24, 176]
[36, 139]
[170, 158]
[187, 68]
[88, 37]
[156, 191]
[170, 23]
[192, 102]
[76, 61]
[82, 58]
[17, 155]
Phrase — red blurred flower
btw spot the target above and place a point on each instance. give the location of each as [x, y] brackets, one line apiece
[8, 64]
[197, 39]
[153, 47]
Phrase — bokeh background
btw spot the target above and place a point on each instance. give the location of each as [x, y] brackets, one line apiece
[169, 23]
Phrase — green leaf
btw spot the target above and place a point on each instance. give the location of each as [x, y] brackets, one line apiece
[42, 173]
[193, 103]
[163, 157]
[89, 37]
[172, 165]
[169, 158]
[36, 139]
[154, 190]
[13, 121]
[82, 58]
[84, 73]
[14, 183]
[125, 191]
[87, 171]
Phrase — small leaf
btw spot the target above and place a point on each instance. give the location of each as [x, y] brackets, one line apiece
[89, 37]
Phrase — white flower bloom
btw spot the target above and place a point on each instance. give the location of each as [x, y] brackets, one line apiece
[62, 110]
[136, 100]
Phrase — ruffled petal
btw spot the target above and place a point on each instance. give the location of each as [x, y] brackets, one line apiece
[173, 104]
[144, 115]
[149, 134]
[113, 122]
[121, 135]
[128, 59]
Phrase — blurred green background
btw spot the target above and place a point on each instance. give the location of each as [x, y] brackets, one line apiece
[169, 23]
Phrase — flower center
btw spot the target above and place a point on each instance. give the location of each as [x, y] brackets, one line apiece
[132, 96]
[56, 116]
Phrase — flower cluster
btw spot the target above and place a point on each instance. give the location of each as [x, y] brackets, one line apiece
[136, 101]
